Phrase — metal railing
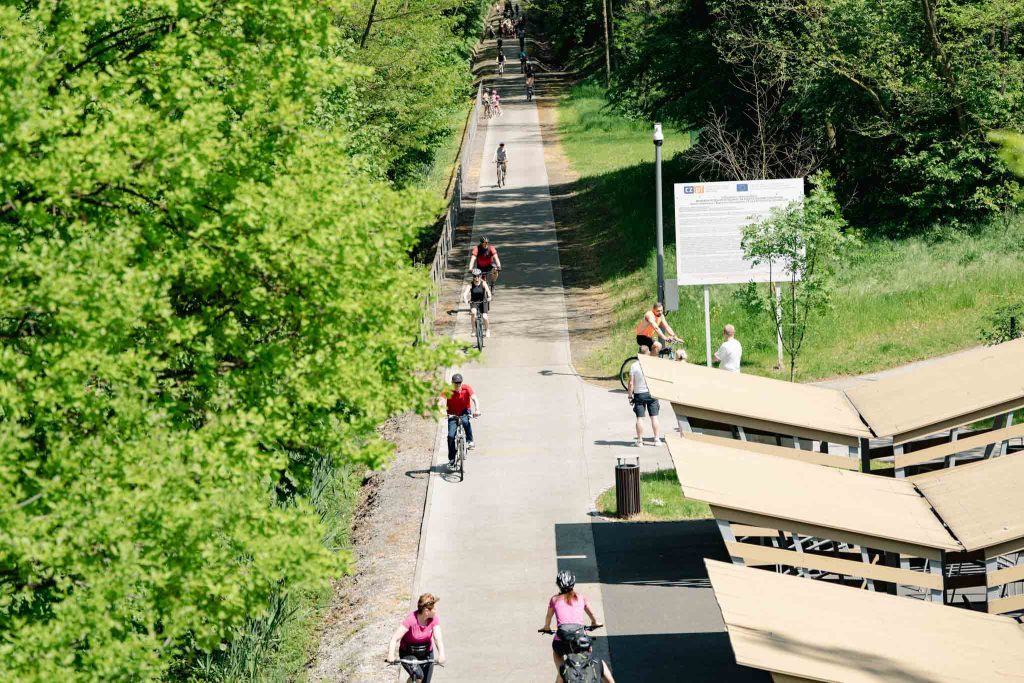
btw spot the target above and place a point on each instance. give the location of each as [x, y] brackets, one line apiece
[450, 221]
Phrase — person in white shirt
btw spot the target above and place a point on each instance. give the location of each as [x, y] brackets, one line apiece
[730, 352]
[643, 402]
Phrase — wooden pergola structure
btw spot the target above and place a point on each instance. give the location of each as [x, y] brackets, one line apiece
[808, 631]
[953, 536]
[920, 414]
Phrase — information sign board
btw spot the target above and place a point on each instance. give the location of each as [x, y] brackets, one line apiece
[710, 218]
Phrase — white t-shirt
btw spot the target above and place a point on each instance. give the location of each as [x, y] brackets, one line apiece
[639, 383]
[729, 354]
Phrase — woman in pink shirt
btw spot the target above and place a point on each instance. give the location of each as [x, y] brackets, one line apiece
[568, 607]
[417, 636]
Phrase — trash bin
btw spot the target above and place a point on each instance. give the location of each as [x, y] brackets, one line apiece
[627, 487]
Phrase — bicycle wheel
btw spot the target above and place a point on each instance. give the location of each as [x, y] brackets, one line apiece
[462, 459]
[479, 331]
[493, 280]
[624, 371]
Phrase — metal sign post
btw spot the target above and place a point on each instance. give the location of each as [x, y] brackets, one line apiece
[707, 321]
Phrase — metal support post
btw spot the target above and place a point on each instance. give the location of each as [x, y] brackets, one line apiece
[659, 139]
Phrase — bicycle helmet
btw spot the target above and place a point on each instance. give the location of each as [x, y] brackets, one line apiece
[456, 378]
[477, 272]
[566, 581]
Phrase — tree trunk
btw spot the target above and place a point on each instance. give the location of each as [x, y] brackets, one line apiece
[607, 47]
[944, 66]
[369, 23]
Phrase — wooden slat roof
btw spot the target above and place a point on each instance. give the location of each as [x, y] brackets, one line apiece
[820, 631]
[981, 502]
[782, 489]
[773, 401]
[963, 388]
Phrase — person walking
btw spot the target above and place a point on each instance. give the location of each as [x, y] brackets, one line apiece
[416, 637]
[730, 352]
[643, 403]
[521, 34]
[522, 61]
[462, 403]
[566, 607]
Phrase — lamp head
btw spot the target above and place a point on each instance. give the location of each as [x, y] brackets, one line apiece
[658, 136]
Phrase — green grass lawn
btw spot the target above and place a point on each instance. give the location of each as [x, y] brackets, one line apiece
[661, 498]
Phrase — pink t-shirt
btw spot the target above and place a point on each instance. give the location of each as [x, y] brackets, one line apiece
[419, 635]
[569, 614]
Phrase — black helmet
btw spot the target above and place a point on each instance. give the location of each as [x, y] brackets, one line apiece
[456, 378]
[566, 580]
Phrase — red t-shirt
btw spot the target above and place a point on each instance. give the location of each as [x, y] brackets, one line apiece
[419, 635]
[459, 401]
[483, 260]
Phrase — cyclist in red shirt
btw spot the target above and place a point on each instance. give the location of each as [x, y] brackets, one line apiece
[462, 403]
[485, 257]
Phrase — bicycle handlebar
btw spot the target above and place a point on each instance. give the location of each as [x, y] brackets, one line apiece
[549, 631]
[412, 661]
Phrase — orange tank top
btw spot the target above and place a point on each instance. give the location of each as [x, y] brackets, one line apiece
[645, 329]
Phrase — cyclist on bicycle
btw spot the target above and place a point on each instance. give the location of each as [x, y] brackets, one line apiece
[415, 638]
[478, 295]
[529, 81]
[522, 61]
[501, 62]
[461, 404]
[496, 102]
[501, 159]
[485, 257]
[566, 607]
[653, 328]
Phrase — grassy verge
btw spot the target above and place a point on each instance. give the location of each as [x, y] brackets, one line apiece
[436, 178]
[661, 499]
[896, 300]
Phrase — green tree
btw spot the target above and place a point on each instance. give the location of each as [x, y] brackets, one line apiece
[203, 290]
[1012, 149]
[801, 243]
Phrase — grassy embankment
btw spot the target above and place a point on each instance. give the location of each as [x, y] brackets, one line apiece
[896, 300]
[660, 499]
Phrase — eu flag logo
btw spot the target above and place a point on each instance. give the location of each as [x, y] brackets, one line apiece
[742, 187]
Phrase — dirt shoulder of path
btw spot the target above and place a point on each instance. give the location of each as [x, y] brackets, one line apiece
[588, 307]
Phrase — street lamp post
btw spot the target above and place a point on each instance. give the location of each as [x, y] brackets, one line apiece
[659, 139]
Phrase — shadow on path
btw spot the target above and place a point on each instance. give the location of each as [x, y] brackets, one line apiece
[658, 603]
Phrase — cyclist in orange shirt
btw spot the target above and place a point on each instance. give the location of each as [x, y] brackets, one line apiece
[653, 329]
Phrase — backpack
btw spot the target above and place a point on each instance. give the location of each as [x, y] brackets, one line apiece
[581, 668]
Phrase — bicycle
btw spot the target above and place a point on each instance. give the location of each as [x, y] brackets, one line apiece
[460, 447]
[666, 352]
[502, 171]
[492, 279]
[415, 674]
[501, 67]
[480, 333]
[487, 109]
[529, 93]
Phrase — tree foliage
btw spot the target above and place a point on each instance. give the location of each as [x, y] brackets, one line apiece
[801, 244]
[205, 291]
[897, 95]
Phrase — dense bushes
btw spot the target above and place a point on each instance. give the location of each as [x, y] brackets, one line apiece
[205, 293]
[894, 97]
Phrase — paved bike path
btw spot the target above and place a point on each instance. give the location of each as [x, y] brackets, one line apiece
[547, 444]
